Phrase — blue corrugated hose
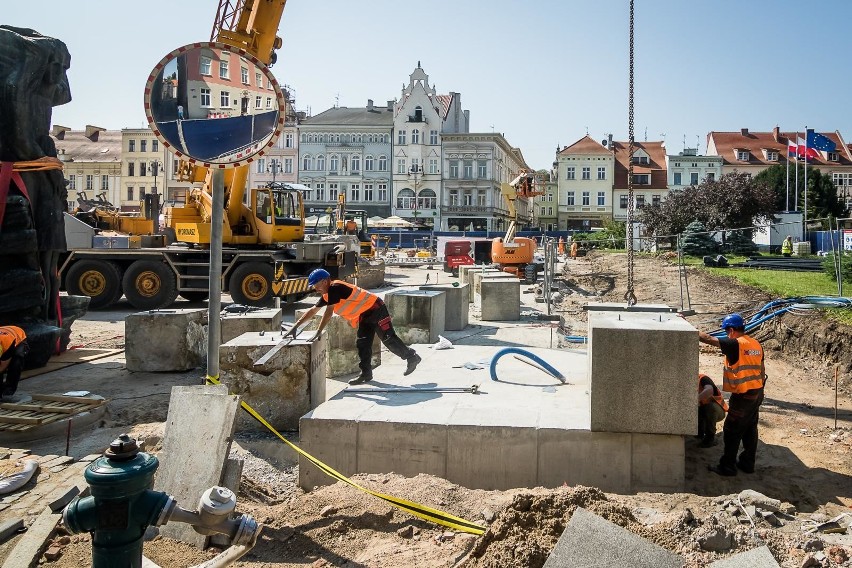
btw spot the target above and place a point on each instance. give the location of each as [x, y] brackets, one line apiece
[783, 305]
[525, 353]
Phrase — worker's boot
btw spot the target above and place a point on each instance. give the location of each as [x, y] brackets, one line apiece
[362, 378]
[413, 360]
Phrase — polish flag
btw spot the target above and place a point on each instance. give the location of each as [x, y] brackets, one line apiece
[804, 151]
[792, 149]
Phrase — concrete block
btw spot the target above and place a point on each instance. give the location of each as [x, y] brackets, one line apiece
[500, 299]
[476, 279]
[643, 368]
[196, 443]
[371, 273]
[406, 449]
[341, 350]
[492, 457]
[466, 276]
[590, 540]
[580, 457]
[457, 305]
[755, 558]
[236, 324]
[418, 315]
[165, 340]
[333, 442]
[285, 387]
[658, 462]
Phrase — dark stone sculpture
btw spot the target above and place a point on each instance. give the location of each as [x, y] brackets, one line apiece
[32, 232]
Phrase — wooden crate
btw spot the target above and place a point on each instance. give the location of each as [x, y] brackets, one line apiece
[43, 409]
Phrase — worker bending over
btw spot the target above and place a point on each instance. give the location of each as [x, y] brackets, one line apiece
[744, 376]
[13, 350]
[364, 311]
[711, 409]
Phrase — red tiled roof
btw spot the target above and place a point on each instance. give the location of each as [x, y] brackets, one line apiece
[727, 144]
[444, 102]
[656, 165]
[584, 145]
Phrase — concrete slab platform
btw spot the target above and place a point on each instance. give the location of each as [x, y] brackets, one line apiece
[525, 430]
[755, 558]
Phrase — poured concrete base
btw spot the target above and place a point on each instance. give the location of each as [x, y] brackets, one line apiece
[341, 352]
[165, 340]
[457, 305]
[418, 315]
[525, 430]
[499, 298]
[236, 324]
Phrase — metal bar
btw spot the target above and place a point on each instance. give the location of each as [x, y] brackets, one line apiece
[214, 302]
[271, 353]
[473, 389]
[531, 364]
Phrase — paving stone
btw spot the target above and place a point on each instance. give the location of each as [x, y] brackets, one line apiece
[62, 460]
[591, 541]
[754, 558]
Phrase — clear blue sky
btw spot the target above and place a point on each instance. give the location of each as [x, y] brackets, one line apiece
[539, 71]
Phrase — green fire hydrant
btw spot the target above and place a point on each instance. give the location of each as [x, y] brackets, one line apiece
[121, 507]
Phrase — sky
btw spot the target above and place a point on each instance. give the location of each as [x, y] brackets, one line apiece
[542, 72]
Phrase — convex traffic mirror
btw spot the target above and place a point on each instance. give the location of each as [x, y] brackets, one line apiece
[214, 104]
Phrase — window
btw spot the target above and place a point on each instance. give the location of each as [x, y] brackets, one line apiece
[288, 140]
[622, 201]
[400, 137]
[468, 198]
[355, 192]
[405, 199]
[244, 75]
[333, 189]
[569, 200]
[541, 212]
[72, 182]
[131, 145]
[693, 178]
[587, 173]
[480, 198]
[601, 199]
[481, 169]
[261, 165]
[223, 69]
[415, 136]
[655, 199]
[772, 156]
[570, 171]
[468, 169]
[415, 166]
[204, 68]
[155, 145]
[383, 163]
[142, 170]
[175, 168]
[130, 169]
[130, 194]
[141, 193]
[258, 104]
[454, 197]
[641, 179]
[143, 145]
[355, 163]
[832, 156]
[601, 173]
[711, 176]
[268, 102]
[320, 192]
[677, 178]
[258, 80]
[383, 192]
[368, 192]
[306, 163]
[433, 165]
[550, 211]
[400, 165]
[320, 163]
[743, 155]
[368, 163]
[640, 201]
[427, 199]
[454, 169]
[585, 199]
[89, 182]
[639, 159]
[333, 162]
[205, 98]
[288, 165]
[224, 99]
[433, 137]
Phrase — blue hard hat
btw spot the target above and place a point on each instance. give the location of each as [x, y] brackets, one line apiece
[733, 320]
[317, 276]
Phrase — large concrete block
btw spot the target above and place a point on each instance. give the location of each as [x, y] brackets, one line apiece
[371, 273]
[457, 304]
[406, 449]
[333, 442]
[500, 299]
[418, 315]
[341, 350]
[289, 384]
[580, 457]
[643, 368]
[658, 462]
[237, 323]
[466, 276]
[165, 340]
[476, 278]
[491, 457]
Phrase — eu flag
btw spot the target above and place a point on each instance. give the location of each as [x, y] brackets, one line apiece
[819, 142]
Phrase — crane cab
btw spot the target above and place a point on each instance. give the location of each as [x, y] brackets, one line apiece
[279, 214]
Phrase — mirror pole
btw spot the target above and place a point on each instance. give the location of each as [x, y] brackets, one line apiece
[214, 304]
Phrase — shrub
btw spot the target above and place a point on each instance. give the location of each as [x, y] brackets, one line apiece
[829, 265]
[695, 241]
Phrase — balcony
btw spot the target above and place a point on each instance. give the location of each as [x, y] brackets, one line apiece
[473, 210]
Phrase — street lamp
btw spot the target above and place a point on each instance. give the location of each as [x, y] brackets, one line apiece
[416, 172]
[156, 166]
[274, 167]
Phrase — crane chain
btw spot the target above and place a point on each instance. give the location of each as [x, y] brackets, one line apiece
[630, 295]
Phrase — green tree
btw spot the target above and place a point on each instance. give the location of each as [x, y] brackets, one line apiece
[822, 193]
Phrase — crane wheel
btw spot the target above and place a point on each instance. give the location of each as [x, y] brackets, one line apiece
[251, 284]
[149, 285]
[100, 280]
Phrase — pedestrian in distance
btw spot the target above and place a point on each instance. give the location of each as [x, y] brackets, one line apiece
[744, 375]
[711, 409]
[364, 311]
[787, 246]
[13, 350]
[180, 112]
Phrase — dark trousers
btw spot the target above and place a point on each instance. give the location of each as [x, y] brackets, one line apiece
[708, 415]
[378, 320]
[10, 377]
[741, 426]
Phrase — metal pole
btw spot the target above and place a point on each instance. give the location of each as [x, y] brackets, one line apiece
[214, 304]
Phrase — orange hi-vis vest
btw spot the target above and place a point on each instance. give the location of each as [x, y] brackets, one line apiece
[747, 373]
[358, 302]
[718, 398]
[10, 336]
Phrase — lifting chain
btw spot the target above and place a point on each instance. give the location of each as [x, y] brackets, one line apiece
[630, 296]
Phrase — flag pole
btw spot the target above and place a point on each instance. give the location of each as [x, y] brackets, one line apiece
[796, 202]
[806, 183]
[787, 209]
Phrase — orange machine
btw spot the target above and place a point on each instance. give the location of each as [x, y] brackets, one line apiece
[515, 255]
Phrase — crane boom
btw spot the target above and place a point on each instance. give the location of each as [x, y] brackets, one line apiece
[250, 24]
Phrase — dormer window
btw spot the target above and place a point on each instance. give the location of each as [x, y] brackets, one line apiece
[641, 179]
[833, 157]
[639, 160]
[743, 155]
[771, 156]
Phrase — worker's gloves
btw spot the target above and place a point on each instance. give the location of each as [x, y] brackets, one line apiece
[292, 332]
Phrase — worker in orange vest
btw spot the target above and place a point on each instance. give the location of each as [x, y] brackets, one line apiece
[744, 375]
[573, 249]
[711, 409]
[364, 311]
[561, 246]
[13, 350]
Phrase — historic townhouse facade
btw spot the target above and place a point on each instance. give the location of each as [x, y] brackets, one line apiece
[688, 168]
[545, 211]
[92, 162]
[585, 172]
[475, 165]
[147, 167]
[281, 162]
[650, 184]
[347, 150]
[421, 118]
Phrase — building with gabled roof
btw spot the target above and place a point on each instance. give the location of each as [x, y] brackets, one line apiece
[650, 183]
[584, 172]
[92, 162]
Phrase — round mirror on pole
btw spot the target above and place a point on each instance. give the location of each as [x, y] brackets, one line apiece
[214, 105]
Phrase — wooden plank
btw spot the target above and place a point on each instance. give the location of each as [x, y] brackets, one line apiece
[10, 527]
[61, 398]
[38, 408]
[28, 550]
[21, 419]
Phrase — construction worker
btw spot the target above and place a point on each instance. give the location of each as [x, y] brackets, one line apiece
[711, 409]
[364, 311]
[13, 350]
[573, 249]
[561, 246]
[744, 376]
[787, 246]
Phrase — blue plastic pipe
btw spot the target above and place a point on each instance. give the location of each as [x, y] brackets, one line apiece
[527, 354]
